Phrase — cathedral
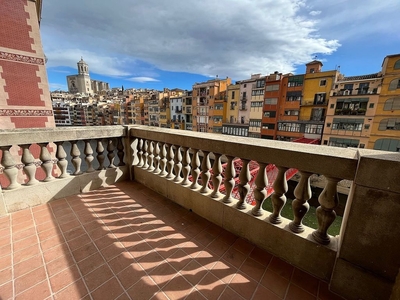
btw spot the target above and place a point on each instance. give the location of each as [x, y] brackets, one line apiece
[81, 82]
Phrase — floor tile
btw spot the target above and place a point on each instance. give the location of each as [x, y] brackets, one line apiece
[98, 277]
[144, 289]
[109, 290]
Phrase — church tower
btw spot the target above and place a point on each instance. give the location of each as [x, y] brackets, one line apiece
[81, 82]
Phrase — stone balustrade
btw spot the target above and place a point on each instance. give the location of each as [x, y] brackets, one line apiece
[32, 157]
[365, 254]
[190, 168]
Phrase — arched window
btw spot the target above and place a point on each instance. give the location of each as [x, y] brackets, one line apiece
[387, 145]
[392, 104]
[397, 65]
[390, 124]
[394, 84]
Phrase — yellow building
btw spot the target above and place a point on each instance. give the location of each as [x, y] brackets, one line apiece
[351, 110]
[233, 96]
[204, 96]
[316, 91]
[385, 133]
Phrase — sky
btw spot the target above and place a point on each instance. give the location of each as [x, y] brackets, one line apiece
[160, 44]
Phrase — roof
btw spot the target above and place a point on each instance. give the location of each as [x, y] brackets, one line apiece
[361, 77]
[314, 62]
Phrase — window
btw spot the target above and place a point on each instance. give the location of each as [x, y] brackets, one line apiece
[366, 126]
[337, 142]
[390, 124]
[397, 65]
[260, 83]
[312, 70]
[319, 98]
[255, 123]
[325, 142]
[328, 125]
[313, 128]
[245, 85]
[268, 126]
[270, 114]
[371, 105]
[348, 87]
[351, 106]
[394, 84]
[291, 112]
[233, 95]
[295, 80]
[362, 145]
[387, 144]
[392, 104]
[363, 88]
[257, 92]
[292, 127]
[322, 82]
[256, 104]
[332, 106]
[271, 101]
[272, 87]
[317, 114]
[347, 124]
[293, 96]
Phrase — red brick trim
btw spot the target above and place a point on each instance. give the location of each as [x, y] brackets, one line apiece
[21, 58]
[25, 112]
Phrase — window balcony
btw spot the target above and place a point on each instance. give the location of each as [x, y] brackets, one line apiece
[348, 111]
[131, 210]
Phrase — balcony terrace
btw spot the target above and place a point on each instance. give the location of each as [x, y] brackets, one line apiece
[130, 223]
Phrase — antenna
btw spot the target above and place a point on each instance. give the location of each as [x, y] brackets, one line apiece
[315, 57]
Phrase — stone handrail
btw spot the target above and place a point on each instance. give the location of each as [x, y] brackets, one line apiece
[13, 140]
[334, 163]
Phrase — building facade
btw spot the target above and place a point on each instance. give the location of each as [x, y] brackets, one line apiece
[24, 90]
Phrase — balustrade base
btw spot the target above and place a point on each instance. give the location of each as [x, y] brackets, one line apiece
[28, 196]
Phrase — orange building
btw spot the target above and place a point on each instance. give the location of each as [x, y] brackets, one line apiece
[385, 133]
[272, 94]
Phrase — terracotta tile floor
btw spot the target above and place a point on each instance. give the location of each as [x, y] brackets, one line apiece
[128, 242]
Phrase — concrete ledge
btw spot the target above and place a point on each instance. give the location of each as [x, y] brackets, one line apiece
[354, 283]
[28, 196]
[299, 250]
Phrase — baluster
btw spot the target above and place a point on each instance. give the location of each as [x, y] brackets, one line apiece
[300, 206]
[278, 196]
[156, 158]
[88, 156]
[205, 172]
[47, 164]
[100, 155]
[29, 164]
[10, 169]
[140, 152]
[170, 161]
[120, 152]
[145, 154]
[195, 169]
[185, 166]
[229, 181]
[325, 212]
[178, 164]
[151, 156]
[110, 153]
[76, 160]
[259, 192]
[62, 162]
[163, 160]
[216, 177]
[244, 186]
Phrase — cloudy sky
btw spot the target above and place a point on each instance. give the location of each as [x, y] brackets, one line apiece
[174, 43]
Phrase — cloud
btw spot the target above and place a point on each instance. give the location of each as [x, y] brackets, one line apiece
[142, 79]
[228, 38]
[315, 12]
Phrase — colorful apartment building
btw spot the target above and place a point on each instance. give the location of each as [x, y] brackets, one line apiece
[233, 124]
[272, 94]
[289, 107]
[351, 110]
[187, 109]
[220, 107]
[204, 95]
[385, 133]
[255, 105]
